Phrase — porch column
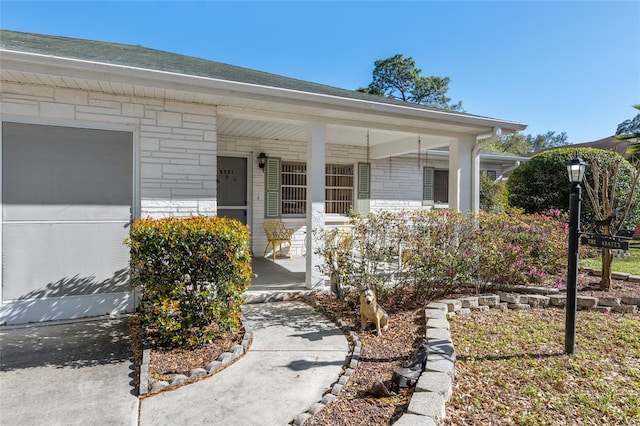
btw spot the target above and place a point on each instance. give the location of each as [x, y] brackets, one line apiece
[460, 176]
[316, 149]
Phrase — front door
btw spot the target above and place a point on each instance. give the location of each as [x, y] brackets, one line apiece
[232, 188]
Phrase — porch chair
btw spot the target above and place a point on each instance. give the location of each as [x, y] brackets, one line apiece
[277, 234]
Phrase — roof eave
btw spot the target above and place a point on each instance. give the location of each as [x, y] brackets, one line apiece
[100, 71]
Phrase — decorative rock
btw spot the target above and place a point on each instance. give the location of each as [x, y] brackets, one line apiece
[301, 418]
[335, 390]
[213, 366]
[453, 305]
[537, 301]
[437, 305]
[348, 372]
[343, 380]
[159, 385]
[438, 323]
[409, 419]
[197, 373]
[237, 351]
[435, 314]
[144, 379]
[587, 302]
[315, 408]
[558, 300]
[482, 308]
[488, 300]
[464, 311]
[603, 309]
[438, 334]
[429, 404]
[634, 278]
[511, 298]
[596, 273]
[469, 302]
[502, 306]
[518, 306]
[620, 276]
[353, 364]
[435, 382]
[225, 358]
[178, 379]
[630, 309]
[443, 347]
[328, 398]
[630, 300]
[440, 363]
[608, 301]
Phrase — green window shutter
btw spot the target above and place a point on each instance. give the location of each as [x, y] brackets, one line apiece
[427, 186]
[272, 192]
[364, 188]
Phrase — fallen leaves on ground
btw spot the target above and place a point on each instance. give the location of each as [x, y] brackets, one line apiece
[511, 369]
[379, 357]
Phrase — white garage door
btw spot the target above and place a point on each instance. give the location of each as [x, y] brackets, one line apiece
[66, 209]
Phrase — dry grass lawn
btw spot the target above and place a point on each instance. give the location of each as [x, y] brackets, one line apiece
[512, 370]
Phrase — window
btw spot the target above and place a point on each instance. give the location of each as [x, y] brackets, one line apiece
[338, 188]
[435, 186]
[294, 188]
[441, 186]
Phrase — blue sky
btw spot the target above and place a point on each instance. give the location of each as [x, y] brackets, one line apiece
[568, 66]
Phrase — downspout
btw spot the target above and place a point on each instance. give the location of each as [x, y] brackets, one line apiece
[475, 167]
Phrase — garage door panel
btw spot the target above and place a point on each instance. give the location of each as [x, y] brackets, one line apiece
[54, 260]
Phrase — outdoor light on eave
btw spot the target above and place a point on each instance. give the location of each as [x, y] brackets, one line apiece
[262, 160]
[575, 169]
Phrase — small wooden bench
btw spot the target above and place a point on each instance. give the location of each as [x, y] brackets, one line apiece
[277, 234]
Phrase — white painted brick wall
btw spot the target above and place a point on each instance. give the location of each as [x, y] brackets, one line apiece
[177, 141]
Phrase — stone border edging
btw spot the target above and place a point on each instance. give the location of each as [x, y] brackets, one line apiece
[435, 385]
[225, 359]
[351, 362]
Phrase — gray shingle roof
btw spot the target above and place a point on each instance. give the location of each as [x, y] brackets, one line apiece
[145, 58]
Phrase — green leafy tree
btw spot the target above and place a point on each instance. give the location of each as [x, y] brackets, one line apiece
[630, 129]
[541, 184]
[520, 144]
[397, 77]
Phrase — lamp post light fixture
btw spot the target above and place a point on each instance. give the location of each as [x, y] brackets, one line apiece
[575, 169]
[262, 160]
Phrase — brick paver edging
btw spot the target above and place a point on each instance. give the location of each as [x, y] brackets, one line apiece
[435, 386]
[224, 360]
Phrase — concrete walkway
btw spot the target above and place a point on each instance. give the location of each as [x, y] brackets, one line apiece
[296, 353]
[78, 373]
[81, 373]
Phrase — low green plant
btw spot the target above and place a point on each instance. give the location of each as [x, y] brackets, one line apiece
[191, 274]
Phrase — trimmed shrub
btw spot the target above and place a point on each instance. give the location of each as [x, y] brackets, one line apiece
[191, 274]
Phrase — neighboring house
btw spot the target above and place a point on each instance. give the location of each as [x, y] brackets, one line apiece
[97, 134]
[608, 144]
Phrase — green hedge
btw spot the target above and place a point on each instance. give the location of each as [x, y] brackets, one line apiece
[191, 274]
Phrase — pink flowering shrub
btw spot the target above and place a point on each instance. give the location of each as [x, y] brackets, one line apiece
[437, 251]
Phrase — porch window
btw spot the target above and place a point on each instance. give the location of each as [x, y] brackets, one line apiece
[339, 188]
[294, 188]
[435, 186]
[441, 186]
[339, 180]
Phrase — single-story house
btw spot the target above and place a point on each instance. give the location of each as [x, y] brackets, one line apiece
[96, 134]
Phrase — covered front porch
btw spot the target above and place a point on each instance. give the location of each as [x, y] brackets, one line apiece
[277, 280]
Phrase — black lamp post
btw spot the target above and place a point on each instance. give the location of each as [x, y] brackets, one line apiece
[575, 168]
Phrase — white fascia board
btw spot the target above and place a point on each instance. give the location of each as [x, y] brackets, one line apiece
[52, 65]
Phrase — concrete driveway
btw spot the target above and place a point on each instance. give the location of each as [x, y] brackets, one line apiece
[77, 373]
